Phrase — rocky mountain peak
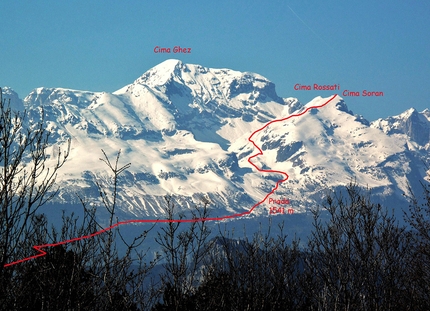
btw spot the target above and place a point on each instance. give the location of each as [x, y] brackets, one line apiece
[414, 124]
[15, 102]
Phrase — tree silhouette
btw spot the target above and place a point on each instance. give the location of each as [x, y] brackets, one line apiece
[357, 260]
[27, 181]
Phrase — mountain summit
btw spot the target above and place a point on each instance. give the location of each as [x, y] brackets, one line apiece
[185, 130]
[415, 125]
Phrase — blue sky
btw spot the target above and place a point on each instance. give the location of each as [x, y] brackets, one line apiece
[104, 45]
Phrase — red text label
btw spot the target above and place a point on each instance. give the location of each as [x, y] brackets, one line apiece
[176, 49]
[281, 201]
[364, 93]
[280, 210]
[317, 87]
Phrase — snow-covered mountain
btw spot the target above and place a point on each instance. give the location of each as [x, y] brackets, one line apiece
[184, 128]
[411, 126]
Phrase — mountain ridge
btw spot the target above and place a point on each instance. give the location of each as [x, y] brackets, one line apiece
[184, 128]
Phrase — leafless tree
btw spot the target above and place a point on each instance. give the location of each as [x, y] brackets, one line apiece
[26, 182]
[418, 218]
[358, 258]
[120, 277]
[183, 250]
[251, 273]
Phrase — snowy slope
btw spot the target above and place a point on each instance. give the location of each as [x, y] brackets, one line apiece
[331, 146]
[411, 123]
[11, 97]
[185, 129]
[412, 128]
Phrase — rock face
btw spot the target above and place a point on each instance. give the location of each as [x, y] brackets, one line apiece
[184, 128]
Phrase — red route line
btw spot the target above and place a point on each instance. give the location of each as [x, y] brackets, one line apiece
[41, 252]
